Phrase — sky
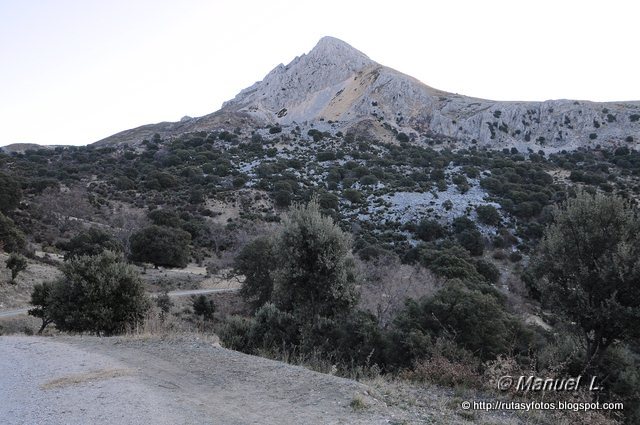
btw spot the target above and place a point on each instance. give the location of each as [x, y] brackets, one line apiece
[74, 72]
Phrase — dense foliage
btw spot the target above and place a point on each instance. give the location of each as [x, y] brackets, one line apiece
[97, 294]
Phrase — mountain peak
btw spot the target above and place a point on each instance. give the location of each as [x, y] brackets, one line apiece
[337, 50]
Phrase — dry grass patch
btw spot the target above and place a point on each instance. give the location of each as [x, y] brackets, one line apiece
[82, 378]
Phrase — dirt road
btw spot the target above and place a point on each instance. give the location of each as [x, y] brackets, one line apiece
[80, 380]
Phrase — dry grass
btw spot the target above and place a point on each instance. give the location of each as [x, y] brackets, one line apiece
[22, 324]
[87, 377]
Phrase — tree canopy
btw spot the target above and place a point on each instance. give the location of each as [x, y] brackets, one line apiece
[588, 262]
[161, 246]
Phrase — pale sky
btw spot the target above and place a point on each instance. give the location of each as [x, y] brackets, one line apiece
[74, 72]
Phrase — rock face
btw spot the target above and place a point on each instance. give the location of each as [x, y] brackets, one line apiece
[339, 83]
[335, 82]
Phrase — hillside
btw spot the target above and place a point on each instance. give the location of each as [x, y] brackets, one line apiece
[336, 83]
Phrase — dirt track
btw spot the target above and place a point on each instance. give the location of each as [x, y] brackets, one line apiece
[79, 380]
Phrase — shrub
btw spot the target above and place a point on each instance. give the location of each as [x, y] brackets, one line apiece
[325, 156]
[273, 330]
[99, 294]
[161, 246]
[11, 238]
[91, 242]
[282, 198]
[10, 193]
[488, 214]
[429, 230]
[402, 137]
[352, 195]
[165, 218]
[451, 262]
[368, 180]
[463, 224]
[488, 270]
[475, 321]
[472, 241]
[234, 333]
[204, 307]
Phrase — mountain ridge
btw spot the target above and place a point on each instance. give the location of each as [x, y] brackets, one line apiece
[336, 82]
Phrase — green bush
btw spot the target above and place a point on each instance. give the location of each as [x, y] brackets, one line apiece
[488, 214]
[167, 218]
[488, 270]
[273, 330]
[10, 193]
[352, 195]
[450, 262]
[161, 246]
[234, 333]
[97, 294]
[475, 321]
[91, 242]
[430, 230]
[472, 241]
[11, 238]
[203, 307]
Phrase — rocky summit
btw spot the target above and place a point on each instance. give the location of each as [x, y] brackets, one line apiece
[337, 83]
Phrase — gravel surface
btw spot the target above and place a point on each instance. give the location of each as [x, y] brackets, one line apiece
[82, 380]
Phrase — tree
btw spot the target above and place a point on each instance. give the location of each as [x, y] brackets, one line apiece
[99, 294]
[11, 238]
[10, 193]
[589, 269]
[16, 263]
[91, 242]
[161, 246]
[40, 299]
[315, 273]
[256, 262]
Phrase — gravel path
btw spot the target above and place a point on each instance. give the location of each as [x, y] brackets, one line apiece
[45, 382]
[80, 380]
